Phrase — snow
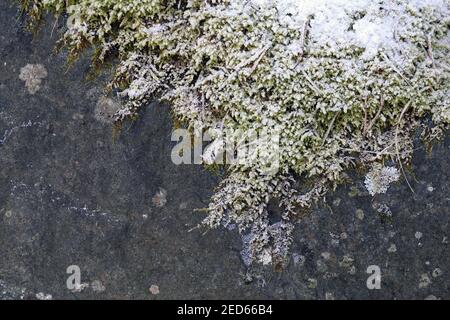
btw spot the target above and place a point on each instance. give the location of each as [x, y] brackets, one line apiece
[363, 23]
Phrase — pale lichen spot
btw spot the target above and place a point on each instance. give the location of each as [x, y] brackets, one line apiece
[424, 281]
[360, 214]
[8, 214]
[346, 262]
[154, 289]
[437, 273]
[312, 283]
[392, 248]
[183, 205]
[326, 255]
[337, 202]
[97, 286]
[352, 270]
[298, 259]
[32, 75]
[77, 116]
[105, 109]
[329, 296]
[43, 296]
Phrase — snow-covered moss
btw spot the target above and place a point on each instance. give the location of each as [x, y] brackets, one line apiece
[340, 82]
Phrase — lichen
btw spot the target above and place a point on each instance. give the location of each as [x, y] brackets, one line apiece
[342, 83]
[105, 109]
[154, 289]
[32, 75]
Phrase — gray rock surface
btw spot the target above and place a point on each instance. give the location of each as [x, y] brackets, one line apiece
[73, 193]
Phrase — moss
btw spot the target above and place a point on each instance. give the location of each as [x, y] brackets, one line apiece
[242, 67]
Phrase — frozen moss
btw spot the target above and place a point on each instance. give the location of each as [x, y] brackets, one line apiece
[379, 179]
[342, 82]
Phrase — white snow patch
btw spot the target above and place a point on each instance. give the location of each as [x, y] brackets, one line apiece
[367, 24]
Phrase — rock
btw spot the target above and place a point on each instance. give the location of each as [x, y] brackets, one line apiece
[73, 192]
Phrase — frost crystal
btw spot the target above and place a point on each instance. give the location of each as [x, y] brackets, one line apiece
[379, 179]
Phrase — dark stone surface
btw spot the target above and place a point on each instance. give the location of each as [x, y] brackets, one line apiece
[72, 194]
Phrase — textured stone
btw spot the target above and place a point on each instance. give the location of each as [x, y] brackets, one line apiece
[74, 193]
